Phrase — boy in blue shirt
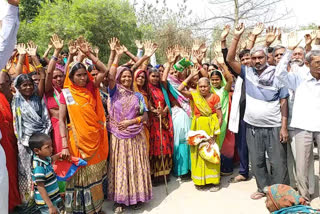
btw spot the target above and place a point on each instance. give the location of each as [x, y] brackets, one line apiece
[46, 189]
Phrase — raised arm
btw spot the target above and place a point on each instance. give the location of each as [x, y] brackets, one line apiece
[226, 72]
[150, 48]
[113, 43]
[171, 58]
[32, 51]
[181, 88]
[257, 30]
[223, 36]
[129, 54]
[113, 68]
[22, 55]
[46, 53]
[308, 40]
[231, 57]
[270, 35]
[57, 43]
[197, 57]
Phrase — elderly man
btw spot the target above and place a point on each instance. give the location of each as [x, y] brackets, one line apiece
[277, 53]
[306, 88]
[266, 116]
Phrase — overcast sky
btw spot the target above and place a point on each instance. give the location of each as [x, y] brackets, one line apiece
[304, 11]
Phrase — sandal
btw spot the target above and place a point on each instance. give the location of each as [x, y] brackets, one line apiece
[226, 173]
[137, 206]
[257, 195]
[237, 179]
[118, 208]
[215, 188]
[200, 188]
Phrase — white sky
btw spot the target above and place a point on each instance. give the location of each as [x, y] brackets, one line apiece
[304, 11]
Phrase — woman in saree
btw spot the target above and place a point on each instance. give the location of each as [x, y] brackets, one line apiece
[140, 84]
[159, 106]
[84, 135]
[181, 118]
[129, 180]
[9, 140]
[221, 85]
[30, 115]
[207, 117]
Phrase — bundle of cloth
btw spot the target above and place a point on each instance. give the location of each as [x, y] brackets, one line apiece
[283, 199]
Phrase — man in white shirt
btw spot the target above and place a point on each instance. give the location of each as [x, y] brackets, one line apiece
[306, 88]
[9, 25]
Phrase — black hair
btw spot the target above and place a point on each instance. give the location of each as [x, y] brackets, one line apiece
[43, 62]
[22, 78]
[32, 73]
[270, 49]
[153, 70]
[37, 140]
[216, 72]
[91, 68]
[243, 53]
[74, 68]
[64, 52]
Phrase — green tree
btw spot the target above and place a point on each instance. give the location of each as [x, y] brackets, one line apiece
[96, 20]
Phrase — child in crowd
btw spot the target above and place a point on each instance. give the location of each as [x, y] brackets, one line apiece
[46, 189]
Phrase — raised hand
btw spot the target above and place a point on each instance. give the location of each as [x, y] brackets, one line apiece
[119, 50]
[238, 31]
[196, 45]
[279, 34]
[177, 50]
[257, 30]
[96, 50]
[194, 71]
[170, 55]
[72, 48]
[83, 45]
[125, 49]
[310, 37]
[217, 47]
[50, 45]
[139, 44]
[57, 42]
[243, 45]
[293, 41]
[203, 48]
[32, 48]
[184, 53]
[219, 58]
[270, 35]
[225, 33]
[113, 43]
[150, 48]
[197, 57]
[21, 49]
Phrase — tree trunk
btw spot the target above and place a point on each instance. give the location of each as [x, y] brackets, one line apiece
[236, 12]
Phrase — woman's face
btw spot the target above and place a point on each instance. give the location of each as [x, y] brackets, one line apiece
[154, 78]
[58, 78]
[141, 79]
[26, 88]
[126, 79]
[36, 79]
[80, 77]
[175, 73]
[94, 73]
[204, 88]
[215, 81]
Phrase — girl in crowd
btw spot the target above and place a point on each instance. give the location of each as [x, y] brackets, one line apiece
[207, 117]
[30, 115]
[159, 106]
[83, 131]
[221, 85]
[129, 181]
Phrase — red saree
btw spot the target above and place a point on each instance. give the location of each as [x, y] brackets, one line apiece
[9, 144]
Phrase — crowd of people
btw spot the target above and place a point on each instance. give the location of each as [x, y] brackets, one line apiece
[130, 123]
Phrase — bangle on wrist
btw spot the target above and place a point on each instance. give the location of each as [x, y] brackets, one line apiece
[65, 147]
[114, 65]
[95, 62]
[138, 120]
[184, 83]
[54, 58]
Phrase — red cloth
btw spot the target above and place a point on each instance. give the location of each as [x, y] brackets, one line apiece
[9, 144]
[167, 134]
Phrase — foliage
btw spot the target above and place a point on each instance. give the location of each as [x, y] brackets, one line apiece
[96, 20]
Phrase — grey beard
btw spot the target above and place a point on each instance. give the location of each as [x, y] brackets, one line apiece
[262, 67]
[297, 62]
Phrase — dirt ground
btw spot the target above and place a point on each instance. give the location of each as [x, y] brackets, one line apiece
[184, 198]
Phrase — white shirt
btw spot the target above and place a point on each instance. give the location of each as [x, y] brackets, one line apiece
[9, 16]
[306, 107]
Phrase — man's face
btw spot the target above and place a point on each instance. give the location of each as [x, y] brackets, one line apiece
[298, 56]
[246, 60]
[315, 66]
[258, 60]
[278, 55]
[270, 59]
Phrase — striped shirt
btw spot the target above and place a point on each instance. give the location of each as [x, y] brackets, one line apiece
[42, 171]
[263, 94]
